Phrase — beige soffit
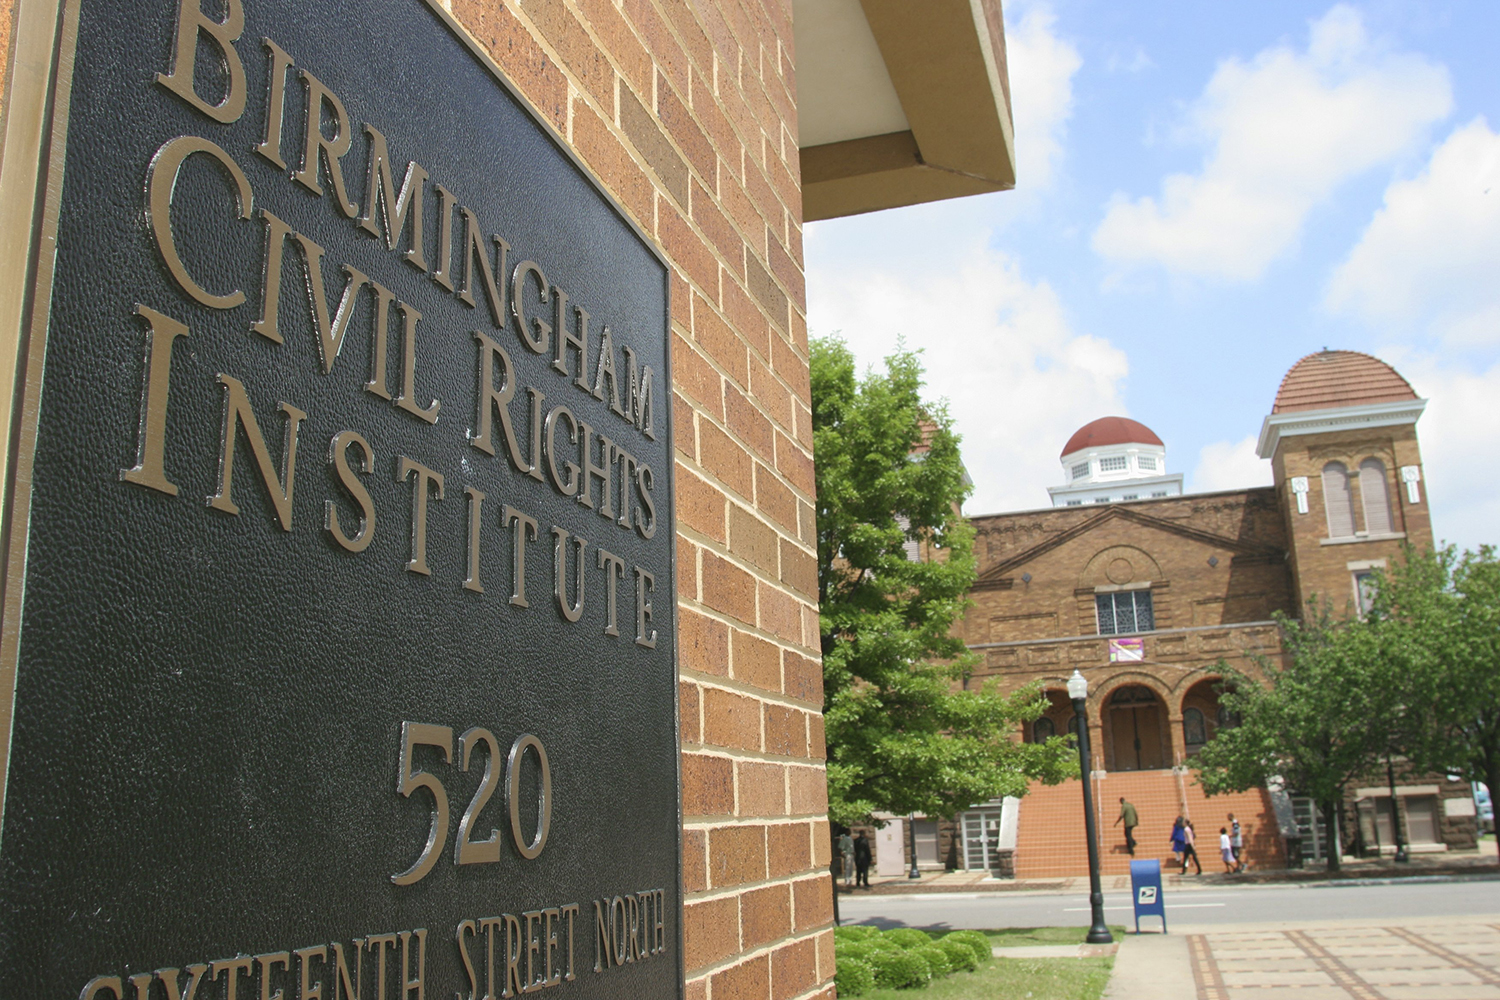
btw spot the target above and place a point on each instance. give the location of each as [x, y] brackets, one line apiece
[900, 103]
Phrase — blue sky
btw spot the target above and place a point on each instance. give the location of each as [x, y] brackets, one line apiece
[1207, 192]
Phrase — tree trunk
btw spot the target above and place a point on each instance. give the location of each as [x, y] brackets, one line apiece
[1332, 848]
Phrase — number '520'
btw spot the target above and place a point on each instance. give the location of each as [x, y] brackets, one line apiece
[467, 850]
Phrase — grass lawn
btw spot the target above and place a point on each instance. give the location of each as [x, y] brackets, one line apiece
[1019, 978]
[1025, 937]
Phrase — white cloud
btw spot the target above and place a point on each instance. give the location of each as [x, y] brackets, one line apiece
[1429, 257]
[1041, 68]
[1229, 465]
[1019, 379]
[1283, 131]
[1460, 428]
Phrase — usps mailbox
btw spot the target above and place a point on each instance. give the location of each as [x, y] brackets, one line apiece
[1145, 889]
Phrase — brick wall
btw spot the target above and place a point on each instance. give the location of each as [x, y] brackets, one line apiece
[686, 112]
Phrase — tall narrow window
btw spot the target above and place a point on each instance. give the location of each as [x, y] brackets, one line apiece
[1377, 500]
[1042, 730]
[1336, 500]
[1124, 611]
[1194, 732]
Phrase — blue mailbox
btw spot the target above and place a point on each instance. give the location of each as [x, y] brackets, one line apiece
[1145, 889]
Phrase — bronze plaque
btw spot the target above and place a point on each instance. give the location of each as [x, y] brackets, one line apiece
[339, 606]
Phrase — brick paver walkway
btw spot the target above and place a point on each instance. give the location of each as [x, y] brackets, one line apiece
[1451, 961]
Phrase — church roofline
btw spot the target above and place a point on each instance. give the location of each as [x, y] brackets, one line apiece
[1117, 503]
[1295, 422]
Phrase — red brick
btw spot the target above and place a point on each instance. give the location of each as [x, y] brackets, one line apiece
[659, 40]
[682, 301]
[696, 989]
[687, 250]
[518, 54]
[785, 731]
[804, 424]
[710, 932]
[813, 899]
[696, 378]
[720, 233]
[604, 152]
[804, 678]
[687, 711]
[720, 132]
[619, 41]
[684, 428]
[799, 569]
[795, 464]
[687, 569]
[727, 459]
[794, 969]
[746, 318]
[747, 981]
[787, 272]
[816, 746]
[792, 368]
[822, 845]
[694, 860]
[587, 63]
[748, 423]
[826, 959]
[728, 588]
[694, 40]
[765, 915]
[756, 661]
[731, 720]
[720, 342]
[703, 643]
[788, 849]
[774, 397]
[780, 614]
[762, 789]
[684, 131]
[774, 500]
[707, 785]
[736, 855]
[752, 540]
[809, 790]
[700, 506]
[764, 196]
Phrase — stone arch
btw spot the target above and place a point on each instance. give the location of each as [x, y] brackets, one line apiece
[1197, 712]
[1134, 723]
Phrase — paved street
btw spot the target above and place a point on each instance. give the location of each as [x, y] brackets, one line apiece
[1252, 904]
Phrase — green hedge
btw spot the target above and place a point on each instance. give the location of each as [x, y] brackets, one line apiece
[853, 977]
[977, 942]
[902, 957]
[960, 955]
[895, 970]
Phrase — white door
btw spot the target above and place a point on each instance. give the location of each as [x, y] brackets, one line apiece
[981, 833]
[890, 858]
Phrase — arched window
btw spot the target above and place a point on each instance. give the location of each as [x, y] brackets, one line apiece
[1194, 731]
[1043, 729]
[1073, 726]
[1336, 500]
[1377, 500]
[1227, 718]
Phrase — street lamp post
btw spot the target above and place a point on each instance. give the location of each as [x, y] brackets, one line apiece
[1078, 690]
[1390, 777]
[911, 841]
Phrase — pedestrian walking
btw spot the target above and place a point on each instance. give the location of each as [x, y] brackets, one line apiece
[1131, 820]
[1237, 844]
[846, 857]
[1190, 848]
[1226, 850]
[862, 861]
[1179, 841]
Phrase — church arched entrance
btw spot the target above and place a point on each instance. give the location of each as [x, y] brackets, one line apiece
[1137, 721]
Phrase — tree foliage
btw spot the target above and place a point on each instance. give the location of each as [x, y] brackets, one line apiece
[900, 738]
[1315, 720]
[1439, 614]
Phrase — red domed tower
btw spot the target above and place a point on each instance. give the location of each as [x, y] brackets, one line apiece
[1342, 440]
[1114, 460]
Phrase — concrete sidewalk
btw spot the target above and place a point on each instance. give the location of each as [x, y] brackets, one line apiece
[1469, 864]
[1415, 959]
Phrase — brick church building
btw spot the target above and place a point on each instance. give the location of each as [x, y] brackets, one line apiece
[1147, 589]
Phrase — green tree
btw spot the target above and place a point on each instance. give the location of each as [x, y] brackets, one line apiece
[1439, 615]
[1316, 720]
[900, 738]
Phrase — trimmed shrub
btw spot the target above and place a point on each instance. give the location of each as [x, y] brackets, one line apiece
[883, 943]
[896, 969]
[856, 932]
[907, 937]
[977, 943]
[960, 955]
[936, 959]
[854, 949]
[853, 977]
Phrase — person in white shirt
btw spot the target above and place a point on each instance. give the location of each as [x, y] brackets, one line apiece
[1226, 850]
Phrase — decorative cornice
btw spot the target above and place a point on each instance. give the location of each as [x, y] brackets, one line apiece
[1279, 425]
